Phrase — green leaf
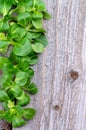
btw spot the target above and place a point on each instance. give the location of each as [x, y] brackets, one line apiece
[5, 6]
[4, 45]
[16, 32]
[34, 60]
[24, 18]
[39, 5]
[24, 2]
[29, 113]
[22, 59]
[21, 78]
[2, 36]
[3, 60]
[24, 66]
[22, 6]
[37, 23]
[16, 91]
[7, 116]
[37, 15]
[38, 30]
[4, 96]
[4, 26]
[6, 80]
[10, 104]
[1, 114]
[23, 63]
[17, 122]
[28, 5]
[19, 9]
[33, 35]
[23, 100]
[32, 88]
[46, 15]
[19, 111]
[8, 73]
[30, 73]
[23, 48]
[8, 67]
[15, 1]
[38, 47]
[43, 40]
[5, 105]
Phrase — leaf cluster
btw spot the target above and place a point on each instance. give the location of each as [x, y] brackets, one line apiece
[21, 33]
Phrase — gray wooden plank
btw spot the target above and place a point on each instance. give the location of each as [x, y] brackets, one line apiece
[61, 100]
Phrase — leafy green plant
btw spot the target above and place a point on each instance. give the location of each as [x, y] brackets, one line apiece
[21, 34]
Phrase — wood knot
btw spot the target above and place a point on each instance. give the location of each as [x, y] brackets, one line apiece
[74, 75]
[56, 107]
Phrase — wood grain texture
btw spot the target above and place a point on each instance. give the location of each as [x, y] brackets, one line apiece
[61, 101]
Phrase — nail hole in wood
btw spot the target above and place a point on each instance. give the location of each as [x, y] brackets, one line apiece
[56, 107]
[74, 75]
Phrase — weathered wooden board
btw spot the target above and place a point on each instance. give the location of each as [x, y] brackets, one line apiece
[61, 100]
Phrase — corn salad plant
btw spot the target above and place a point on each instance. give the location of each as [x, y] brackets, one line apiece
[22, 34]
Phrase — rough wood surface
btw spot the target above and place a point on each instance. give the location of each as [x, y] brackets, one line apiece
[61, 101]
[61, 71]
